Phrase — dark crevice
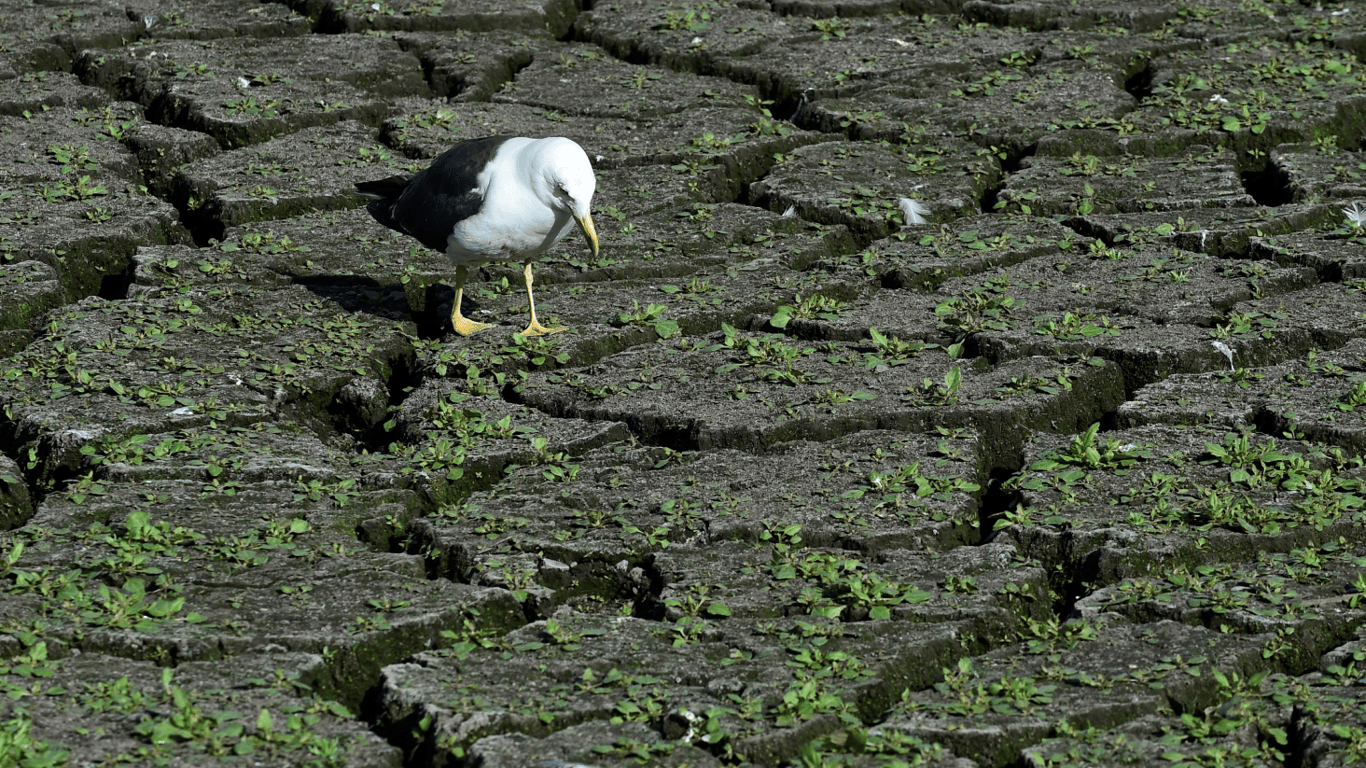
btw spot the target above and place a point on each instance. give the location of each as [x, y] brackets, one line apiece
[788, 105]
[795, 115]
[996, 499]
[754, 194]
[1109, 422]
[204, 229]
[428, 67]
[1139, 82]
[1069, 579]
[1087, 228]
[361, 414]
[991, 197]
[1269, 186]
[371, 710]
[1014, 160]
[197, 216]
[443, 558]
[432, 323]
[404, 380]
[1070, 584]
[517, 68]
[114, 286]
[20, 500]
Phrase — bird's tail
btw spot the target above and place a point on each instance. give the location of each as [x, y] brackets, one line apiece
[383, 189]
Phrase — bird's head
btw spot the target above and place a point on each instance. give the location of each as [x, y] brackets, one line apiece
[568, 183]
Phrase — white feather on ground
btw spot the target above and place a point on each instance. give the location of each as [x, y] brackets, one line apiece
[913, 211]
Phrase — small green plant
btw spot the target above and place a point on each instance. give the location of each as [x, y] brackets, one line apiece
[267, 78]
[813, 306]
[82, 189]
[892, 351]
[962, 694]
[250, 106]
[1086, 451]
[1246, 325]
[71, 158]
[930, 393]
[829, 28]
[961, 585]
[650, 316]
[692, 20]
[978, 308]
[1353, 399]
[1075, 326]
[833, 397]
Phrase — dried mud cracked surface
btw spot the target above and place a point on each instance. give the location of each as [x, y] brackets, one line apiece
[1070, 474]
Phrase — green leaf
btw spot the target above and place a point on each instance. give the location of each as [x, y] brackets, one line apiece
[915, 596]
[163, 608]
[263, 721]
[666, 328]
[138, 523]
[718, 609]
[782, 317]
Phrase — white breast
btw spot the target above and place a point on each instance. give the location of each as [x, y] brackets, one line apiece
[513, 224]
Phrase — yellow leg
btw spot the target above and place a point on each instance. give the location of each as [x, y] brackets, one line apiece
[534, 328]
[462, 325]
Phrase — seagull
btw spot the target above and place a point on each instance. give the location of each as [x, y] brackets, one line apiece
[499, 198]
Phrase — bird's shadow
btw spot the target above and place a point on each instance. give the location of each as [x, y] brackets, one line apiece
[426, 305]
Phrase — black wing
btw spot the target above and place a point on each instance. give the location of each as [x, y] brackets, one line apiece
[382, 194]
[443, 195]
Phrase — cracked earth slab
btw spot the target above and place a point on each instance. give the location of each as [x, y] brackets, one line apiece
[1075, 477]
[223, 699]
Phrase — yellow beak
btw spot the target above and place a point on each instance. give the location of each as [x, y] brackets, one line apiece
[589, 233]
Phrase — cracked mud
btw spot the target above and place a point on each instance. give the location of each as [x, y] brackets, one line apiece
[1073, 473]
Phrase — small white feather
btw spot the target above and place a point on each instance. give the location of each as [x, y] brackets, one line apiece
[913, 211]
[1223, 348]
[790, 213]
[1355, 215]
